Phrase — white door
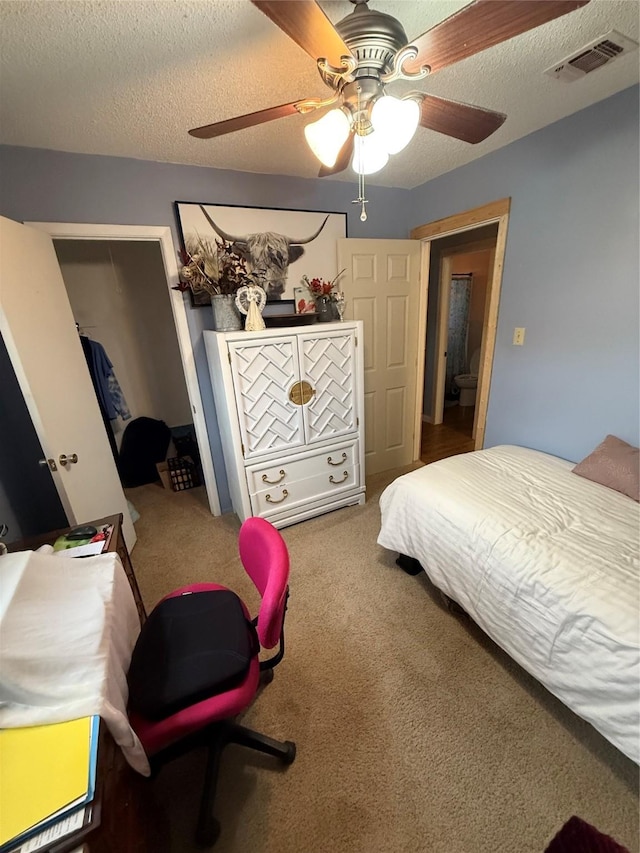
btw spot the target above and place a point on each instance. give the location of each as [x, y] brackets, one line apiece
[43, 344]
[382, 288]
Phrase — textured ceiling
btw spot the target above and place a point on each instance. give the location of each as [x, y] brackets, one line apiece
[129, 78]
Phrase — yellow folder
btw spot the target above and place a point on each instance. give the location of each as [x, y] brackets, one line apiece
[42, 770]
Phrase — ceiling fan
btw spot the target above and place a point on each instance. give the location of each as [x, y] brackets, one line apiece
[368, 50]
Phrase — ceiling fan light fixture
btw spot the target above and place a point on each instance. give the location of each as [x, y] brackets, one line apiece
[369, 154]
[326, 136]
[395, 121]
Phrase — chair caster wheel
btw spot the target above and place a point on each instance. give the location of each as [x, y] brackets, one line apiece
[207, 834]
[290, 757]
[266, 677]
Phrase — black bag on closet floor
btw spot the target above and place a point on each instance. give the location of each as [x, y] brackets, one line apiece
[145, 442]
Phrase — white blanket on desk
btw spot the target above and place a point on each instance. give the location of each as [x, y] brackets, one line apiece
[67, 630]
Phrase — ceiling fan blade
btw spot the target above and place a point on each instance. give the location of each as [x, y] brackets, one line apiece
[471, 124]
[306, 23]
[480, 25]
[219, 128]
[342, 161]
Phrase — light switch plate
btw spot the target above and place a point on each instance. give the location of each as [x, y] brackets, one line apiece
[518, 336]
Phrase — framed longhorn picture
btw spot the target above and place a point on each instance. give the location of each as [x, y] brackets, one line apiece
[286, 244]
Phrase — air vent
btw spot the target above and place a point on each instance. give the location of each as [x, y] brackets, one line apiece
[594, 55]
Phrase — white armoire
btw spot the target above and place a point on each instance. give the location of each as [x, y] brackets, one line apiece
[290, 412]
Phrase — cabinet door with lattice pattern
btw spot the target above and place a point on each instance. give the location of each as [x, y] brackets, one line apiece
[264, 374]
[327, 363]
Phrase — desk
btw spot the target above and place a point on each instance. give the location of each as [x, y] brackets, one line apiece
[126, 818]
[116, 544]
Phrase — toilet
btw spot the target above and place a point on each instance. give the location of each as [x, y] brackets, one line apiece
[468, 382]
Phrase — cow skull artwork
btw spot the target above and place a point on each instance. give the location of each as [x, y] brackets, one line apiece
[268, 251]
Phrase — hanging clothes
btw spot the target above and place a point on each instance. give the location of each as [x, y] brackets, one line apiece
[105, 382]
[100, 370]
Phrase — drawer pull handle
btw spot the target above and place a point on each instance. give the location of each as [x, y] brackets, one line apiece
[285, 495]
[331, 462]
[269, 482]
[337, 482]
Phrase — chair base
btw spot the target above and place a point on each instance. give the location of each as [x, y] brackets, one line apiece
[208, 828]
[284, 750]
[216, 737]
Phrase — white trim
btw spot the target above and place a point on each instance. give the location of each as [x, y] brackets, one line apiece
[161, 234]
[427, 419]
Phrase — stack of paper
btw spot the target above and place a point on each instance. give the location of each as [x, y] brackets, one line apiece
[48, 774]
[88, 547]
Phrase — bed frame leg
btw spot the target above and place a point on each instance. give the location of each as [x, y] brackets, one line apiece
[451, 605]
[409, 564]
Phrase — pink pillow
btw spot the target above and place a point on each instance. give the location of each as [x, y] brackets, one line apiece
[614, 464]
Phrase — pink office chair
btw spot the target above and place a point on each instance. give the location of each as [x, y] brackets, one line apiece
[195, 665]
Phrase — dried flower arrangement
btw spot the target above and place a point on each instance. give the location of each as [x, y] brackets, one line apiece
[211, 266]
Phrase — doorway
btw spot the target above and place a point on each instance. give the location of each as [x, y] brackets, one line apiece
[461, 269]
[480, 230]
[117, 292]
[161, 236]
[450, 367]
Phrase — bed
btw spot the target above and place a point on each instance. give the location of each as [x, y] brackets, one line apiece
[544, 561]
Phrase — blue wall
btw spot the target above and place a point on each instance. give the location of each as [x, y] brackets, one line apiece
[571, 268]
[53, 186]
[570, 277]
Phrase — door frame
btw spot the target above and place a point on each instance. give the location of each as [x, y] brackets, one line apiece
[161, 235]
[445, 277]
[498, 212]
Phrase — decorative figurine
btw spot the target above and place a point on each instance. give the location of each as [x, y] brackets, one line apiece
[250, 300]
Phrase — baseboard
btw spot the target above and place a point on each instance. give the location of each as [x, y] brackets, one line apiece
[428, 419]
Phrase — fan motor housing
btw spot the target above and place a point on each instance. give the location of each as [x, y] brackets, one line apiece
[373, 38]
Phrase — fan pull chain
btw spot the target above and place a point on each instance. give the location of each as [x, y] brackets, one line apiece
[361, 200]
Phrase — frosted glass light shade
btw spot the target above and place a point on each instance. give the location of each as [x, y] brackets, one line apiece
[369, 154]
[327, 136]
[395, 121]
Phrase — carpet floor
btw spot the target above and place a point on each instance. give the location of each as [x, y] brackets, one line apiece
[415, 733]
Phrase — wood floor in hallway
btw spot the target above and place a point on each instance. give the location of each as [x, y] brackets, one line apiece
[450, 437]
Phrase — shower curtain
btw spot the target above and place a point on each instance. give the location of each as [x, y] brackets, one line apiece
[458, 331]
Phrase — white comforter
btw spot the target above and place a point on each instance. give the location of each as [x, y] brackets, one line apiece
[544, 561]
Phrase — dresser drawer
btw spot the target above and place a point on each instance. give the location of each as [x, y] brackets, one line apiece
[333, 461]
[296, 493]
[289, 483]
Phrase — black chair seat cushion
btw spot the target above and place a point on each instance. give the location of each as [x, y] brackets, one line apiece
[191, 647]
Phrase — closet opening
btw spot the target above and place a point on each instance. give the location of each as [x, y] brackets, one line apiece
[120, 301]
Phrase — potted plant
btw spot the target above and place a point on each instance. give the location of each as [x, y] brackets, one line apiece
[212, 267]
[326, 297]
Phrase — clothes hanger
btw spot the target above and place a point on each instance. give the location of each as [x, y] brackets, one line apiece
[82, 331]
